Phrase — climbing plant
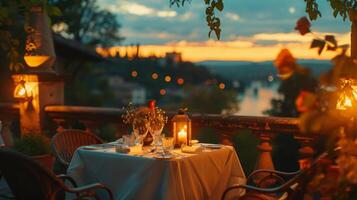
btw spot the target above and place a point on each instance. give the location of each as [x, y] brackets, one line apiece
[339, 7]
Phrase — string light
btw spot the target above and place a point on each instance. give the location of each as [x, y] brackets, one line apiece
[134, 73]
[222, 86]
[163, 92]
[180, 81]
[154, 76]
[167, 78]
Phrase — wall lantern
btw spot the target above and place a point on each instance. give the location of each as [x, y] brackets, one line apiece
[39, 50]
[22, 91]
[181, 128]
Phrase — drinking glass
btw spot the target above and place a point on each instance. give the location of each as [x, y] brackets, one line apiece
[156, 131]
[140, 130]
[168, 144]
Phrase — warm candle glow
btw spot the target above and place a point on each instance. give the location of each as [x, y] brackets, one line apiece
[344, 102]
[21, 92]
[182, 135]
[35, 61]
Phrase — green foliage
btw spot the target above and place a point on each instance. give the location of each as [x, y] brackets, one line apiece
[33, 144]
[86, 22]
[339, 7]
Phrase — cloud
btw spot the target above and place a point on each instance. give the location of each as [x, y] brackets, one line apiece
[292, 10]
[243, 48]
[139, 10]
[232, 16]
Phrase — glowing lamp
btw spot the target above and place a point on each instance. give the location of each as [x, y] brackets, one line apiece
[35, 61]
[22, 91]
[348, 97]
[181, 128]
[39, 49]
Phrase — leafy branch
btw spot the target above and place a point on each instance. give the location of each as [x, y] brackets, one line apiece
[213, 22]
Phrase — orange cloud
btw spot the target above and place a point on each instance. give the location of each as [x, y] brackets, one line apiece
[243, 48]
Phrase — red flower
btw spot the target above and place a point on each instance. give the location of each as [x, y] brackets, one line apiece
[152, 104]
[303, 26]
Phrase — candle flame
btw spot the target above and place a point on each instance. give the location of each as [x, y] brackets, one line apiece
[344, 102]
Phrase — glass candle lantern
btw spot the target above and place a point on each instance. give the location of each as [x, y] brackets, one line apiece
[181, 124]
[347, 97]
[22, 92]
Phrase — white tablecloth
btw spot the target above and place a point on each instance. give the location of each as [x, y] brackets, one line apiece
[191, 176]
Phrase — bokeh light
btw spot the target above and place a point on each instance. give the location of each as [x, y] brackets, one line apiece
[167, 78]
[154, 76]
[180, 81]
[134, 73]
[163, 92]
[222, 86]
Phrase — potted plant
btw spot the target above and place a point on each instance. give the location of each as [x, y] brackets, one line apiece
[37, 146]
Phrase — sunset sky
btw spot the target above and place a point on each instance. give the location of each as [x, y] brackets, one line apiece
[253, 30]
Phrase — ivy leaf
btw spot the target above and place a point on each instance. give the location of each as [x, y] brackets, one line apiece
[319, 44]
[219, 5]
[332, 43]
[218, 33]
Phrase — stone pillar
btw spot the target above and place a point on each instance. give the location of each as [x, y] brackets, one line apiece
[306, 152]
[44, 89]
[353, 19]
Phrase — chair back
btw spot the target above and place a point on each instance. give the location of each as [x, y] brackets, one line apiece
[26, 178]
[65, 143]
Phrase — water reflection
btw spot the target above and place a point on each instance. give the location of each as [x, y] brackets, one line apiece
[256, 98]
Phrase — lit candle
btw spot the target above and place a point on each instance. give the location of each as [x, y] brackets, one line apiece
[182, 135]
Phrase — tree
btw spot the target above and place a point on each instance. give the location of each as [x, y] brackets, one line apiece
[84, 21]
[339, 7]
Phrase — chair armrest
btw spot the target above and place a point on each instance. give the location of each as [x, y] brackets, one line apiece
[268, 175]
[87, 189]
[273, 172]
[289, 186]
[59, 158]
[68, 178]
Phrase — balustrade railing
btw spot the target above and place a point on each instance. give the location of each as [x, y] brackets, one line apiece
[264, 128]
[226, 127]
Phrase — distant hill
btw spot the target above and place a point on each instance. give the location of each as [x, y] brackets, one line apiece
[248, 71]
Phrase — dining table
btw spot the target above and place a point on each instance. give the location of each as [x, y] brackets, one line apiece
[135, 176]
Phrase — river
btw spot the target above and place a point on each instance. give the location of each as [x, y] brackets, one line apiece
[256, 98]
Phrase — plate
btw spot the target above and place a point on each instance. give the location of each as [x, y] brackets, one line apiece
[90, 148]
[211, 146]
[164, 156]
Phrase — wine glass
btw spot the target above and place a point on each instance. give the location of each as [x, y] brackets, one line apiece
[140, 130]
[155, 129]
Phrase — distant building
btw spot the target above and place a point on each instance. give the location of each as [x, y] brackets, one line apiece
[125, 92]
[173, 59]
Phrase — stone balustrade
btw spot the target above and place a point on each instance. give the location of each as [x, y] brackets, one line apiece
[264, 128]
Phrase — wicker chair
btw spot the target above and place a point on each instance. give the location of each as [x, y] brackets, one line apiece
[65, 143]
[288, 186]
[29, 180]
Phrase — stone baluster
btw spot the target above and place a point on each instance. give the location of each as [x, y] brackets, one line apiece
[226, 138]
[264, 160]
[306, 152]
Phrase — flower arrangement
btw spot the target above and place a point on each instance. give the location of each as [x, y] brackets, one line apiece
[144, 117]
